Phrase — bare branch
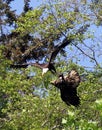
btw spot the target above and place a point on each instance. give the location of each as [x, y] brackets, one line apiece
[92, 58]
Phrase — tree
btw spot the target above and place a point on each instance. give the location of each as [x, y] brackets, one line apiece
[96, 9]
[28, 100]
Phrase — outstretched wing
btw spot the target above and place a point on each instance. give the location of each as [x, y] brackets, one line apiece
[26, 65]
[58, 49]
[73, 78]
[19, 66]
[66, 42]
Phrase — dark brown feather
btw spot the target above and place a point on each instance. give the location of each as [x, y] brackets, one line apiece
[58, 49]
[73, 78]
[41, 66]
[19, 66]
[68, 87]
[66, 42]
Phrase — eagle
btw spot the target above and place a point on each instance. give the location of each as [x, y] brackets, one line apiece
[46, 66]
[68, 87]
[50, 65]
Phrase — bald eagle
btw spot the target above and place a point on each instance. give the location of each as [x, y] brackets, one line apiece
[46, 66]
[50, 65]
[68, 87]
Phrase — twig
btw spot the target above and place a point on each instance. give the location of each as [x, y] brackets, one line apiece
[92, 58]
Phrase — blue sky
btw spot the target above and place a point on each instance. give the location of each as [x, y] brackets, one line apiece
[18, 5]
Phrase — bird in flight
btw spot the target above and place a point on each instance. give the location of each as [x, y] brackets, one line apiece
[50, 65]
[68, 87]
[46, 66]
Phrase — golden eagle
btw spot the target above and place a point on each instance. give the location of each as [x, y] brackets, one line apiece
[68, 87]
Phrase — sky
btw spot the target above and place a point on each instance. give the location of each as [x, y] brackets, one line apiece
[18, 5]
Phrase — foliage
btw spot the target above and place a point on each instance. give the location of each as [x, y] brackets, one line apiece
[37, 32]
[23, 106]
[96, 8]
[27, 100]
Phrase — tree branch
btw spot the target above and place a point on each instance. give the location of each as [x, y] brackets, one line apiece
[92, 58]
